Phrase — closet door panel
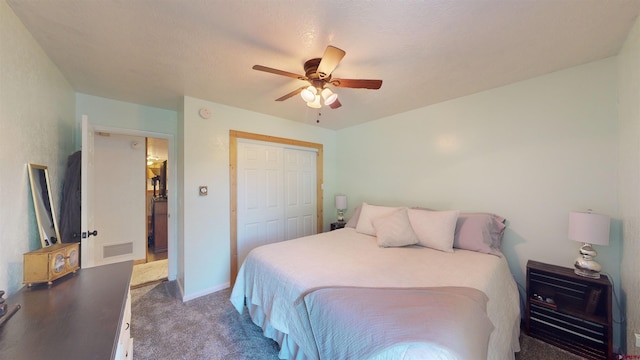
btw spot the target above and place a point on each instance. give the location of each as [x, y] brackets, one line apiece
[250, 239]
[300, 185]
[260, 197]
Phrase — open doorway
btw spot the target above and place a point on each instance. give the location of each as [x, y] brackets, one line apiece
[155, 267]
[130, 211]
[157, 187]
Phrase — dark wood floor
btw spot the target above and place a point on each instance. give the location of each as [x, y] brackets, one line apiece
[151, 256]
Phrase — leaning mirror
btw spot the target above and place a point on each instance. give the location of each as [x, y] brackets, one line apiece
[43, 204]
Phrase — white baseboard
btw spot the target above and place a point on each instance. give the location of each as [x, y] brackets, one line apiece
[181, 288]
[204, 292]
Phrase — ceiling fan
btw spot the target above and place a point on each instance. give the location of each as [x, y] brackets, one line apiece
[318, 74]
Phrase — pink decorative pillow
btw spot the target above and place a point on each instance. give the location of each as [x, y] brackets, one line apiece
[367, 214]
[435, 229]
[481, 232]
[394, 229]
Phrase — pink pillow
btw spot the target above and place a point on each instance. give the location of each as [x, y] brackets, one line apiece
[481, 232]
[394, 229]
[367, 214]
[434, 229]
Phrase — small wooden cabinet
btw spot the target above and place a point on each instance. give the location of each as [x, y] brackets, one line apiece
[159, 223]
[338, 225]
[569, 311]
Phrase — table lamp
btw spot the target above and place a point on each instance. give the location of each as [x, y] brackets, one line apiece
[588, 228]
[341, 205]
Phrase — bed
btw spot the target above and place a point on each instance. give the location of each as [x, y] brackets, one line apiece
[342, 294]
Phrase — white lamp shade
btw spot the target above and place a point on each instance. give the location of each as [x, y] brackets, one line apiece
[329, 96]
[309, 94]
[341, 202]
[589, 228]
[315, 103]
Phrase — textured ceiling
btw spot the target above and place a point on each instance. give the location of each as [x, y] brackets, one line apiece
[153, 52]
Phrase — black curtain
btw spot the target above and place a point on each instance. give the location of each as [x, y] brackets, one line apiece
[71, 200]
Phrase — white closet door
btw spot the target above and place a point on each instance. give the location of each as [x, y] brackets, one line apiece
[300, 193]
[260, 196]
[276, 194]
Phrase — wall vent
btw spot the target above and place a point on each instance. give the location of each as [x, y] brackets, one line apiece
[117, 250]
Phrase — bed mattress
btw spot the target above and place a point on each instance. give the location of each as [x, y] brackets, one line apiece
[274, 276]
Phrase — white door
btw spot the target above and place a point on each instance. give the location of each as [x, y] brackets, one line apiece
[120, 197]
[276, 194]
[113, 197]
[300, 193]
[87, 230]
[260, 197]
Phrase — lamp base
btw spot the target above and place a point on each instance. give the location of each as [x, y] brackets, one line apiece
[587, 273]
[585, 265]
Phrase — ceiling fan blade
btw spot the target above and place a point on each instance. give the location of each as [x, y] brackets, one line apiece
[293, 93]
[357, 83]
[330, 60]
[279, 72]
[336, 104]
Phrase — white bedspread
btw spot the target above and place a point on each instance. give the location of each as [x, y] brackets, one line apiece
[274, 276]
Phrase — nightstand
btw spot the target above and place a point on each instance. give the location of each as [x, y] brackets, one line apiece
[569, 311]
[338, 225]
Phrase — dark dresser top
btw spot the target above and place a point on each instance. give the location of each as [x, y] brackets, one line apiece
[77, 317]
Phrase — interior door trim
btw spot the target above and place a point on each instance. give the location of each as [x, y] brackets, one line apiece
[233, 185]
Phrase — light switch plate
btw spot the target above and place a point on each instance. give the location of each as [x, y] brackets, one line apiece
[637, 339]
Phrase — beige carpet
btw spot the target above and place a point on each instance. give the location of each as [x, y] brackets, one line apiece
[150, 272]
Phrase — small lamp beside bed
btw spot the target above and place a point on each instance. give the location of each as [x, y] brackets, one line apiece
[588, 228]
[341, 205]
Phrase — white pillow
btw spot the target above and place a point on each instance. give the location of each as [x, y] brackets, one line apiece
[435, 229]
[368, 213]
[394, 229]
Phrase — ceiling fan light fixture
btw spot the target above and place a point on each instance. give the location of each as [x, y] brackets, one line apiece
[309, 94]
[329, 96]
[318, 73]
[315, 104]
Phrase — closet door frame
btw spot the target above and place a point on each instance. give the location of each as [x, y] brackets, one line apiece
[233, 186]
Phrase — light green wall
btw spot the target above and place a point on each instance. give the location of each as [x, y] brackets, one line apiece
[36, 113]
[532, 152]
[124, 115]
[629, 179]
[204, 149]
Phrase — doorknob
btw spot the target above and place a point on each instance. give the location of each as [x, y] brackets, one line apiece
[89, 234]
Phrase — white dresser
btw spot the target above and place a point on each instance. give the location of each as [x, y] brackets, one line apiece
[125, 342]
